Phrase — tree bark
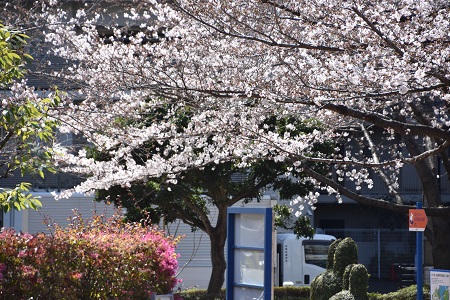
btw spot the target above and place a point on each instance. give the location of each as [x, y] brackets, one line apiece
[439, 235]
[217, 237]
[218, 264]
[441, 242]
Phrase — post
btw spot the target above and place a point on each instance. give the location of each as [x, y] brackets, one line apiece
[379, 254]
[419, 263]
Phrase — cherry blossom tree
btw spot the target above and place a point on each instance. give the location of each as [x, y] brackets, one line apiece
[200, 197]
[375, 74]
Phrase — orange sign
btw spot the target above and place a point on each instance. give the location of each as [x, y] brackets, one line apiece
[417, 220]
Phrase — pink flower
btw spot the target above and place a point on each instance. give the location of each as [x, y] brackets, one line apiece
[76, 276]
[22, 254]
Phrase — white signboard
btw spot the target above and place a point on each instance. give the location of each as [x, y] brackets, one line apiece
[249, 253]
[439, 284]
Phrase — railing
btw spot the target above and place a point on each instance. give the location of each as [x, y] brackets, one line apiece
[50, 182]
[381, 250]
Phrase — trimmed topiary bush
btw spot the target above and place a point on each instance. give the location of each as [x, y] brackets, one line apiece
[324, 286]
[99, 259]
[346, 253]
[356, 280]
[344, 278]
[331, 251]
[343, 295]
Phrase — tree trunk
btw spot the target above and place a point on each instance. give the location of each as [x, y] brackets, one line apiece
[441, 242]
[218, 264]
[440, 225]
[217, 237]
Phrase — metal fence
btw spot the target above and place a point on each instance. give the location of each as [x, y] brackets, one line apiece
[382, 251]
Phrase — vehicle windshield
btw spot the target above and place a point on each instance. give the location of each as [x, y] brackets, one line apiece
[316, 252]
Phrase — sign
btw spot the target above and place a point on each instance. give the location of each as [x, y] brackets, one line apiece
[417, 220]
[249, 253]
[439, 284]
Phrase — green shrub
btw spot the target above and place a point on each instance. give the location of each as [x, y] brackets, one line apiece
[100, 259]
[356, 280]
[324, 286]
[343, 275]
[331, 251]
[327, 284]
[294, 292]
[346, 277]
[343, 295]
[341, 253]
[346, 253]
[196, 294]
[408, 293]
[359, 281]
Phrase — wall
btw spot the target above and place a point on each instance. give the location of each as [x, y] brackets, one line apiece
[57, 211]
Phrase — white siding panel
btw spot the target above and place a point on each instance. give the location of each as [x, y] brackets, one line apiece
[60, 211]
[194, 248]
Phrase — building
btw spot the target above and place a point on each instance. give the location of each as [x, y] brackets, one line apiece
[338, 219]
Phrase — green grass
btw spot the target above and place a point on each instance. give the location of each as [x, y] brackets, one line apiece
[302, 293]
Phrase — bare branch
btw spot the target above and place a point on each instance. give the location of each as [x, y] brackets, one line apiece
[378, 32]
[297, 45]
[392, 190]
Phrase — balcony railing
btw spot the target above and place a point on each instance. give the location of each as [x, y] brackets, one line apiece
[50, 182]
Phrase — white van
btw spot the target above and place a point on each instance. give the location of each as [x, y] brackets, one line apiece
[300, 260]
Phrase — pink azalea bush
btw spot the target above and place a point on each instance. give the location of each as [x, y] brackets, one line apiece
[99, 259]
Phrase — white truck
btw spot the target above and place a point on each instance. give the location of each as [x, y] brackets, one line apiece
[300, 260]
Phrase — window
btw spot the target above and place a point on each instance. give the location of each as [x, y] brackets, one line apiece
[316, 252]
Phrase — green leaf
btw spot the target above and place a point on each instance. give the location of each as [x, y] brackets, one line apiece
[13, 56]
[26, 122]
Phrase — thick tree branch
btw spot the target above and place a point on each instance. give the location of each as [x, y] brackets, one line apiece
[208, 228]
[397, 126]
[445, 158]
[364, 164]
[383, 204]
[374, 202]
